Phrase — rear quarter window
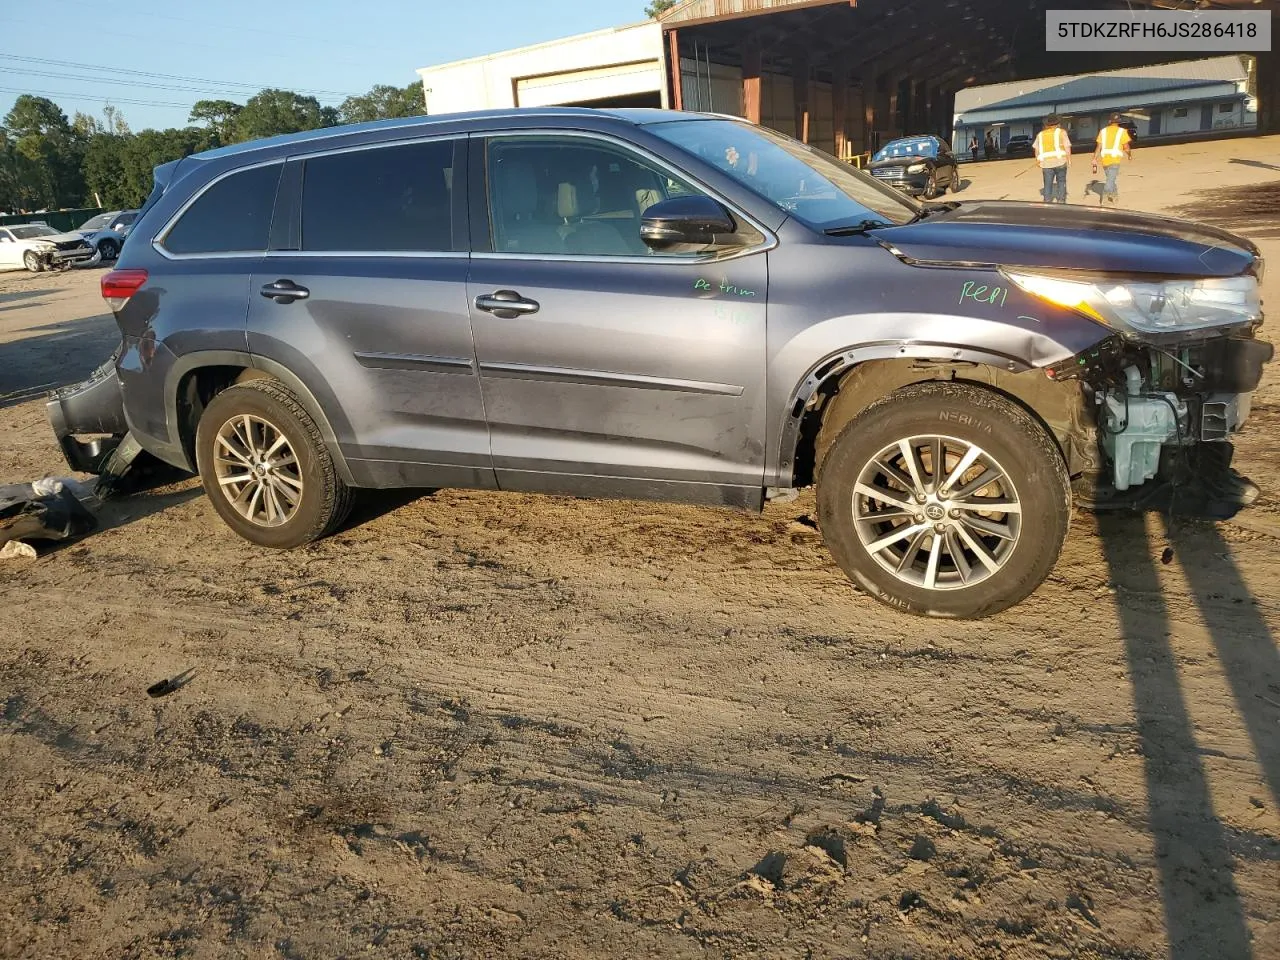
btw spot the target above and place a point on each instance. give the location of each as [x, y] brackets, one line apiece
[232, 216]
[380, 199]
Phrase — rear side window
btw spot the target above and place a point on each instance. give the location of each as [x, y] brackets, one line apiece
[232, 216]
[393, 199]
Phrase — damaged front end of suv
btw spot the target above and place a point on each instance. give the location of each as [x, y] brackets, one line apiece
[1167, 390]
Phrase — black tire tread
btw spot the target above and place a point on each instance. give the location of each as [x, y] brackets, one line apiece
[1044, 450]
[337, 497]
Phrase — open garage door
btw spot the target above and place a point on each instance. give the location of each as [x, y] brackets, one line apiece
[624, 84]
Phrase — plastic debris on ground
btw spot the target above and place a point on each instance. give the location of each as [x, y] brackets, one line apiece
[48, 509]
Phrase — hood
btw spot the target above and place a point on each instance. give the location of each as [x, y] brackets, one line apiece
[1070, 237]
[56, 238]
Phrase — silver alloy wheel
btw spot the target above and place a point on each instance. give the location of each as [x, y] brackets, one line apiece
[257, 470]
[937, 512]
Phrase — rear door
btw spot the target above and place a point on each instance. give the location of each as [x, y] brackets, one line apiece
[363, 296]
[616, 371]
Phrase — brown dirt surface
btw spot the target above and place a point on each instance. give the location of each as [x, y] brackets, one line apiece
[492, 725]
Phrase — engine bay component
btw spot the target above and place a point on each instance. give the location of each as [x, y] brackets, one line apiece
[1136, 425]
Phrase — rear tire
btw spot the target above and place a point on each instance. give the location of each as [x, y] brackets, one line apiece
[266, 468]
[994, 544]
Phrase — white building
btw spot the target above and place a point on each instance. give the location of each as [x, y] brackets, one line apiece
[618, 67]
[1196, 97]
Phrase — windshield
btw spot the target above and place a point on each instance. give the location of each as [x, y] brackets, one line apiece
[813, 186]
[907, 148]
[31, 231]
[96, 223]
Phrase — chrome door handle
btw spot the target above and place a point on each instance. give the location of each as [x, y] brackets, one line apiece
[507, 304]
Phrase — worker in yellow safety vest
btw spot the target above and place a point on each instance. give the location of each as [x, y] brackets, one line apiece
[1114, 146]
[1053, 154]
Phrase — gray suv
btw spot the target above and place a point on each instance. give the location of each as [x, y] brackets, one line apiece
[663, 305]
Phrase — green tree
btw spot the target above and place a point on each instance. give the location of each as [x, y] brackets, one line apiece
[272, 112]
[119, 166]
[20, 182]
[658, 7]
[40, 132]
[383, 102]
[220, 115]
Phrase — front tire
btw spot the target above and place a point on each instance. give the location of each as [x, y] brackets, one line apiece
[955, 179]
[966, 540]
[108, 250]
[32, 261]
[931, 185]
[266, 469]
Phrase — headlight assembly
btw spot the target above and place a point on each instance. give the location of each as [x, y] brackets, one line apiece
[917, 168]
[1145, 306]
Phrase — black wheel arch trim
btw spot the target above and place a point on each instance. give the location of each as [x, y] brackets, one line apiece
[191, 362]
[836, 364]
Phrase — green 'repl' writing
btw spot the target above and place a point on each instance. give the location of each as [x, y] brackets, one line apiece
[982, 293]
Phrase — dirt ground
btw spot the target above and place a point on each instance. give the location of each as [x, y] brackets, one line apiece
[489, 725]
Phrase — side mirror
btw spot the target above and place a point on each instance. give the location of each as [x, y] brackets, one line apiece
[684, 220]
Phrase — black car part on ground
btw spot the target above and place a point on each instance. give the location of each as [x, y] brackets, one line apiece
[27, 515]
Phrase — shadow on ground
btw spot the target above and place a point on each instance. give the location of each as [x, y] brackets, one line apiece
[1203, 910]
[1252, 209]
[54, 355]
[1256, 163]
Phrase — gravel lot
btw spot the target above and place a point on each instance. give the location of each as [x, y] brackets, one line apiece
[490, 725]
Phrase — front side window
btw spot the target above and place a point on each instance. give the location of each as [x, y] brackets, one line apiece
[232, 216]
[389, 198]
[581, 197]
[813, 186]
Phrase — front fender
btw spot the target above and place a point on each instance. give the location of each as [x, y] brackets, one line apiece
[826, 350]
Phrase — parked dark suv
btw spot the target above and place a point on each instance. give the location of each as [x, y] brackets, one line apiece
[920, 166]
[665, 305]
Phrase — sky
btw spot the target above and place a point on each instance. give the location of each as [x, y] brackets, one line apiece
[231, 49]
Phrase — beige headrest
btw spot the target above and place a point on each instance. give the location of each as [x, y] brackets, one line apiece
[567, 201]
[647, 198]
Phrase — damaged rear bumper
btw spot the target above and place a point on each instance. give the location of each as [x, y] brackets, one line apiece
[93, 410]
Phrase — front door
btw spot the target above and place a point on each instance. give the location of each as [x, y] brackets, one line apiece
[607, 369]
[368, 305]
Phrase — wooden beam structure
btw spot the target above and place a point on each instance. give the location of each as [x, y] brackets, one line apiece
[751, 71]
[676, 71]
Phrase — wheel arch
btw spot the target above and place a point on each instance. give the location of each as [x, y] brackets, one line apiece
[196, 378]
[842, 386]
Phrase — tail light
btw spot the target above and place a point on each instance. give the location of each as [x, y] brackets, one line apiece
[119, 285]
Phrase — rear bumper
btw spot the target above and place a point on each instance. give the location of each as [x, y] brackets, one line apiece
[93, 409]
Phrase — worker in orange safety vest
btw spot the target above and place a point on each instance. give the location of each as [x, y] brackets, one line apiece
[1053, 154]
[1114, 146]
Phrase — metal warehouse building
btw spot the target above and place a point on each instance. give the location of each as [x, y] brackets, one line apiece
[1200, 97]
[845, 75]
